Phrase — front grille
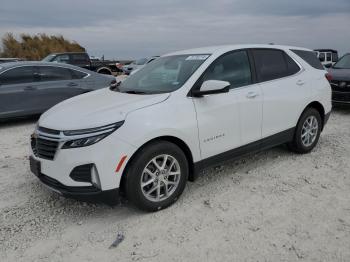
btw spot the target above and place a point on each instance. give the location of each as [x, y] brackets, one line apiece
[340, 86]
[44, 148]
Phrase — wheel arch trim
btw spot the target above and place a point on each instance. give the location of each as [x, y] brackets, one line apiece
[172, 139]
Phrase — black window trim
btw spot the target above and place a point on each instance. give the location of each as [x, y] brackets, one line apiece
[251, 64]
[301, 69]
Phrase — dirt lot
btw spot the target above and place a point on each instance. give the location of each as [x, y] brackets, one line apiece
[273, 206]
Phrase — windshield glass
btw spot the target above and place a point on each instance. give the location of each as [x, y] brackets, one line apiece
[48, 58]
[141, 61]
[343, 63]
[163, 75]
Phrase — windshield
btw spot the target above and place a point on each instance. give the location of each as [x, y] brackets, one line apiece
[141, 61]
[163, 75]
[48, 58]
[343, 63]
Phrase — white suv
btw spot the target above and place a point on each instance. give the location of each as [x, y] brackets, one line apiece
[185, 111]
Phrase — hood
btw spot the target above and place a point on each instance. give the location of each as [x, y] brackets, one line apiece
[340, 74]
[94, 109]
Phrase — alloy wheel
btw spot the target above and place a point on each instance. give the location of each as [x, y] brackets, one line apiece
[309, 131]
[160, 178]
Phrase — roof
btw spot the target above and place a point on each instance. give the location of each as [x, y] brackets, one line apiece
[39, 63]
[63, 53]
[227, 48]
[326, 50]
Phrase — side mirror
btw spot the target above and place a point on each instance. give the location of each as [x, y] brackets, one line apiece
[211, 87]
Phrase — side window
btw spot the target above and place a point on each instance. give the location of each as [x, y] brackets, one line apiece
[270, 64]
[62, 59]
[293, 67]
[80, 58]
[52, 73]
[233, 67]
[77, 74]
[322, 57]
[19, 75]
[329, 57]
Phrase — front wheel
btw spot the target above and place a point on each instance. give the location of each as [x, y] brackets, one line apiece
[307, 132]
[157, 176]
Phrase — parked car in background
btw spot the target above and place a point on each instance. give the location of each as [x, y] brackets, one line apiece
[328, 57]
[340, 82]
[30, 88]
[7, 60]
[181, 113]
[138, 64]
[83, 60]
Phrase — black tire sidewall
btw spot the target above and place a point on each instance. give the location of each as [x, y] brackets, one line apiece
[298, 144]
[139, 162]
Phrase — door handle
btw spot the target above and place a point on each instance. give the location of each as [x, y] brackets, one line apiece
[30, 88]
[300, 82]
[72, 84]
[252, 94]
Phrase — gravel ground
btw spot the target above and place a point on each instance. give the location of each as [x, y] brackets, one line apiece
[272, 206]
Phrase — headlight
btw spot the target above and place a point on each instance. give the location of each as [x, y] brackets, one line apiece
[87, 137]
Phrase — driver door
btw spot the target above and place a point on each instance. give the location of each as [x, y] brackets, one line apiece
[229, 120]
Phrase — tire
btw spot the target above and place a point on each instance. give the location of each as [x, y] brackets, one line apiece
[305, 139]
[146, 168]
[104, 72]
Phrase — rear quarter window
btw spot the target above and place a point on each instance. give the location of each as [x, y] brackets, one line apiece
[77, 74]
[310, 58]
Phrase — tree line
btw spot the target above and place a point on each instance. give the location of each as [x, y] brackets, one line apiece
[36, 47]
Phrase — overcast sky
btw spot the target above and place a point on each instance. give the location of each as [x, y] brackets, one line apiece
[133, 29]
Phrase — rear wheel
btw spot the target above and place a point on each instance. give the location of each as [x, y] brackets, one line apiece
[307, 132]
[157, 176]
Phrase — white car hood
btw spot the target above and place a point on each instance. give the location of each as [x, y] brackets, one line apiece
[94, 109]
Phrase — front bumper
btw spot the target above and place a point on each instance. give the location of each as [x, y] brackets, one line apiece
[85, 193]
[104, 157]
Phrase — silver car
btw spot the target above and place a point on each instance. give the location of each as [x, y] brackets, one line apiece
[30, 88]
[138, 64]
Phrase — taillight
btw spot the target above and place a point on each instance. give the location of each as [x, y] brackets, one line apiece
[328, 77]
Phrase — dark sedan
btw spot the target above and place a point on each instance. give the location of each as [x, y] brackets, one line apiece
[340, 82]
[30, 88]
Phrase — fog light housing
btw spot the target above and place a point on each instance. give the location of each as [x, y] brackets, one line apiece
[95, 179]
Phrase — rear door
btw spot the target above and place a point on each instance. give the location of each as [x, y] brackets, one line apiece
[229, 120]
[18, 92]
[57, 84]
[283, 85]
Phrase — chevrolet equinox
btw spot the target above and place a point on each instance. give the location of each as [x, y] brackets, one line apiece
[181, 113]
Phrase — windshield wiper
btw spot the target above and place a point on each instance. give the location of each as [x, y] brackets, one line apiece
[134, 92]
